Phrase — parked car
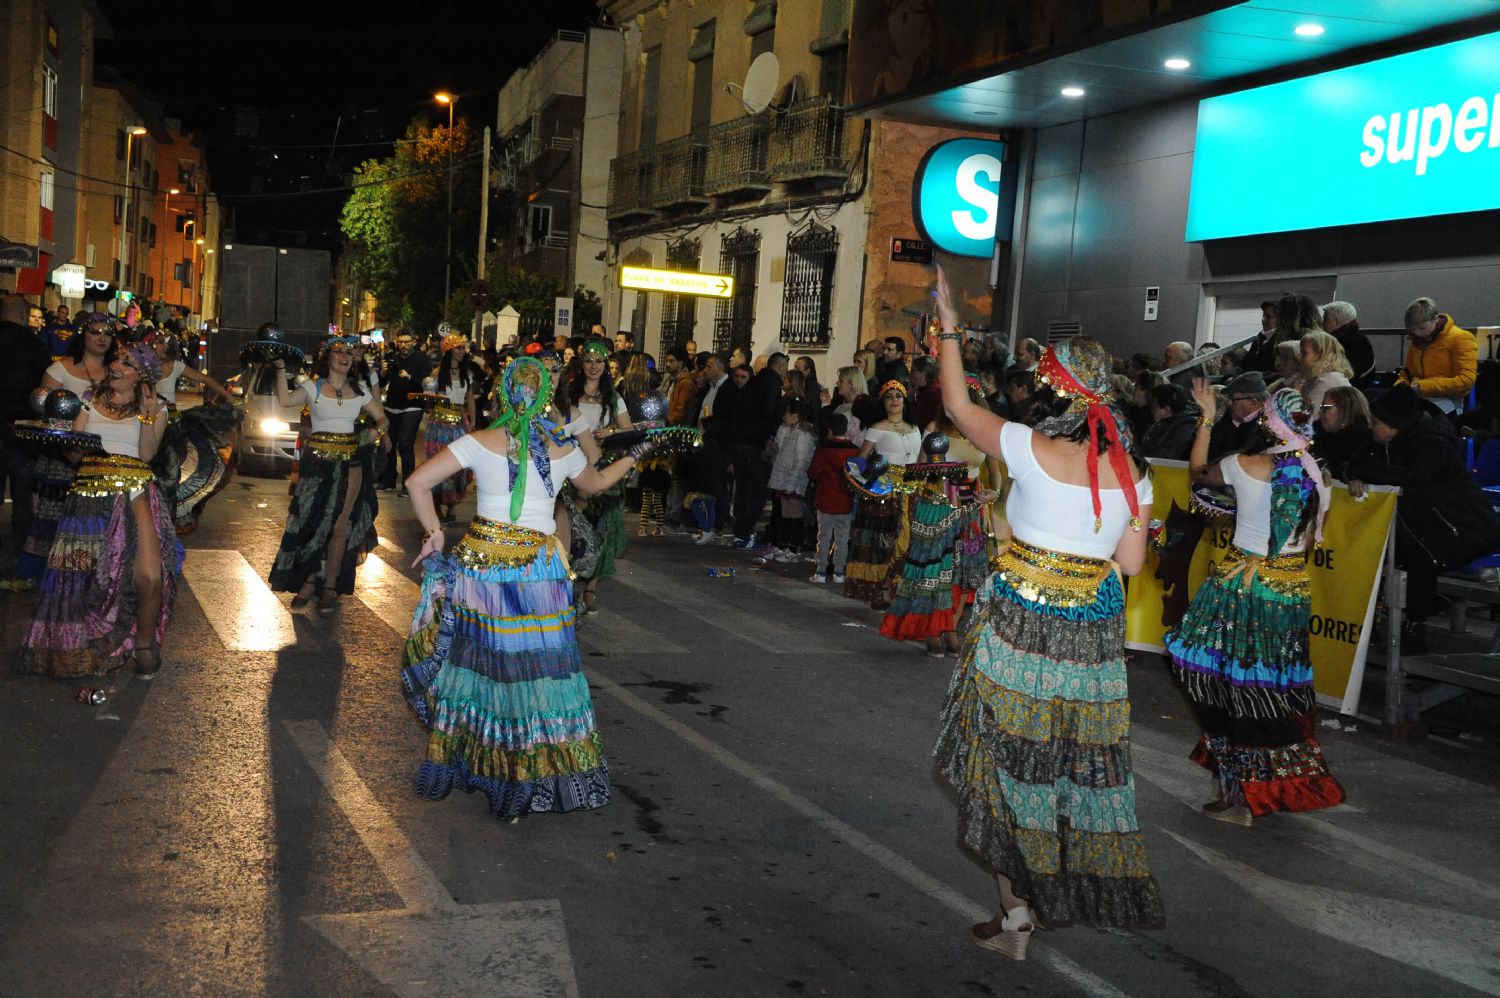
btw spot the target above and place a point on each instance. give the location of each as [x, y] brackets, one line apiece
[268, 436]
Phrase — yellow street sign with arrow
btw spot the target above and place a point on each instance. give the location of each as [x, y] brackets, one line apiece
[677, 282]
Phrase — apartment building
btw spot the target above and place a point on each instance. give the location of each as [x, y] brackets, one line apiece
[556, 125]
[185, 224]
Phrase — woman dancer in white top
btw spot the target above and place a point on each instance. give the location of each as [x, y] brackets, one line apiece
[330, 527]
[454, 378]
[111, 577]
[1035, 730]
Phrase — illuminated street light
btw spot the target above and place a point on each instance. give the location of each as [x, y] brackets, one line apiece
[444, 97]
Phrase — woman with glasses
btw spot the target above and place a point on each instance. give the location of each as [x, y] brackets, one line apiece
[330, 527]
[454, 379]
[874, 534]
[1343, 429]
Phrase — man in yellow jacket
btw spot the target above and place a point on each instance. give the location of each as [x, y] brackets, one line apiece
[1443, 358]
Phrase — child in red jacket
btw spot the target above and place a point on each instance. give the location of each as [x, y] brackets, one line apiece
[831, 499]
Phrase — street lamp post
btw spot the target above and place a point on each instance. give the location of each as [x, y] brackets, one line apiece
[444, 97]
[131, 132]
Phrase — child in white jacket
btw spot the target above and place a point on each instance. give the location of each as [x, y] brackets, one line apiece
[792, 450]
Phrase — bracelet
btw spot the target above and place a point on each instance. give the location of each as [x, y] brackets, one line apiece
[950, 336]
[1207, 421]
[147, 419]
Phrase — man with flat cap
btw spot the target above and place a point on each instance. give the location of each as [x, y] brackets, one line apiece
[1246, 395]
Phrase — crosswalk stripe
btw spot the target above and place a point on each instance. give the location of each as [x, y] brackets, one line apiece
[389, 595]
[613, 632]
[712, 606]
[243, 611]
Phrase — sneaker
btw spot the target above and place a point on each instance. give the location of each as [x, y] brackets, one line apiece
[704, 537]
[746, 543]
[787, 557]
[819, 578]
[838, 578]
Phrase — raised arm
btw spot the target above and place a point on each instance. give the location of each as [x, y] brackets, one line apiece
[284, 397]
[1201, 471]
[193, 374]
[975, 422]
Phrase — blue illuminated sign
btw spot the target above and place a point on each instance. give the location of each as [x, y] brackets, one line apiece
[963, 198]
[1405, 137]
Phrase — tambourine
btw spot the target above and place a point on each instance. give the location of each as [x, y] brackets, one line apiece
[429, 400]
[1213, 500]
[269, 352]
[40, 433]
[668, 439]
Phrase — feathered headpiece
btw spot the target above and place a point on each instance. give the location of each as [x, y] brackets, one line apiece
[1079, 370]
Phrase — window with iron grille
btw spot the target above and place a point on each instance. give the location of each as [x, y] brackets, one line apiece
[679, 312]
[49, 91]
[734, 323]
[807, 295]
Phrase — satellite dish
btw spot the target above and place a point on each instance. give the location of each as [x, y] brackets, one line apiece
[760, 83]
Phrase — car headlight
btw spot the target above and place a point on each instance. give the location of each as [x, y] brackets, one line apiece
[274, 426]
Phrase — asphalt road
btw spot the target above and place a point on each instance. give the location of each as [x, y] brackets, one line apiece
[245, 824]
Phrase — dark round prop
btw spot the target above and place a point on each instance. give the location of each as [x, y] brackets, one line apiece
[647, 407]
[933, 470]
[62, 404]
[1213, 500]
[668, 439]
[935, 443]
[429, 400]
[871, 477]
[268, 352]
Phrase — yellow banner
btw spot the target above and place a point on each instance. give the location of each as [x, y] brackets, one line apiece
[1344, 572]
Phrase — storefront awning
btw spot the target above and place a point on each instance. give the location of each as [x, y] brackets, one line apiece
[1245, 40]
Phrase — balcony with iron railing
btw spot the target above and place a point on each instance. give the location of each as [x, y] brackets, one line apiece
[738, 158]
[630, 186]
[808, 142]
[680, 167]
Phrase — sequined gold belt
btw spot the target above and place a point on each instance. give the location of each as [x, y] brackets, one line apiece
[447, 412]
[110, 475]
[1285, 574]
[333, 446]
[1051, 577]
[492, 544]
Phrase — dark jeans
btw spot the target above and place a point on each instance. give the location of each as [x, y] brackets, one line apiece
[750, 477]
[717, 456]
[16, 467]
[404, 426]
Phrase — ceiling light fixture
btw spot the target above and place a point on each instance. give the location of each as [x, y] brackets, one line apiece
[1072, 91]
[1309, 30]
[1177, 64]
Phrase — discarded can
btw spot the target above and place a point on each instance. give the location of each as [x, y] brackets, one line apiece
[726, 572]
[91, 695]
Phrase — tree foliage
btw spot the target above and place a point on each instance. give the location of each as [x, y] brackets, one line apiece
[395, 221]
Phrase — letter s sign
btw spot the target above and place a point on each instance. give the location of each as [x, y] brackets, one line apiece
[963, 197]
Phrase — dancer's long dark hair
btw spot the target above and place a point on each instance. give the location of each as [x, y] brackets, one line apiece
[445, 372]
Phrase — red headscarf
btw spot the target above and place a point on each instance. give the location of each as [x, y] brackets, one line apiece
[1056, 371]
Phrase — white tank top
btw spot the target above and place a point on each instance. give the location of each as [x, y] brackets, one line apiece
[896, 448]
[73, 384]
[167, 386]
[329, 414]
[492, 477]
[1252, 511]
[119, 436]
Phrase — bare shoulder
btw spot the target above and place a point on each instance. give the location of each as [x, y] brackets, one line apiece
[492, 440]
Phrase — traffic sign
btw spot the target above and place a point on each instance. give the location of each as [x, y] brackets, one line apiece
[677, 282]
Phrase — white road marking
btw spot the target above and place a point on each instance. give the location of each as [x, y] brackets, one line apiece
[1183, 780]
[410, 950]
[1084, 981]
[1462, 948]
[388, 544]
[240, 607]
[610, 631]
[711, 600]
[389, 595]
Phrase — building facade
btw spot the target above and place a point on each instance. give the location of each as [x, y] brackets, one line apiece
[556, 127]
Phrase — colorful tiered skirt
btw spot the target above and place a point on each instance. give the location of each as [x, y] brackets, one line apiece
[1242, 655]
[445, 424]
[1035, 740]
[872, 545]
[326, 466]
[493, 671]
[928, 600]
[84, 623]
[52, 477]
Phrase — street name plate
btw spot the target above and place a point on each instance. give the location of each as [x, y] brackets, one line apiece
[677, 282]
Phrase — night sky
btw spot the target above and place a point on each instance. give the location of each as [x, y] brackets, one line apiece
[324, 84]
